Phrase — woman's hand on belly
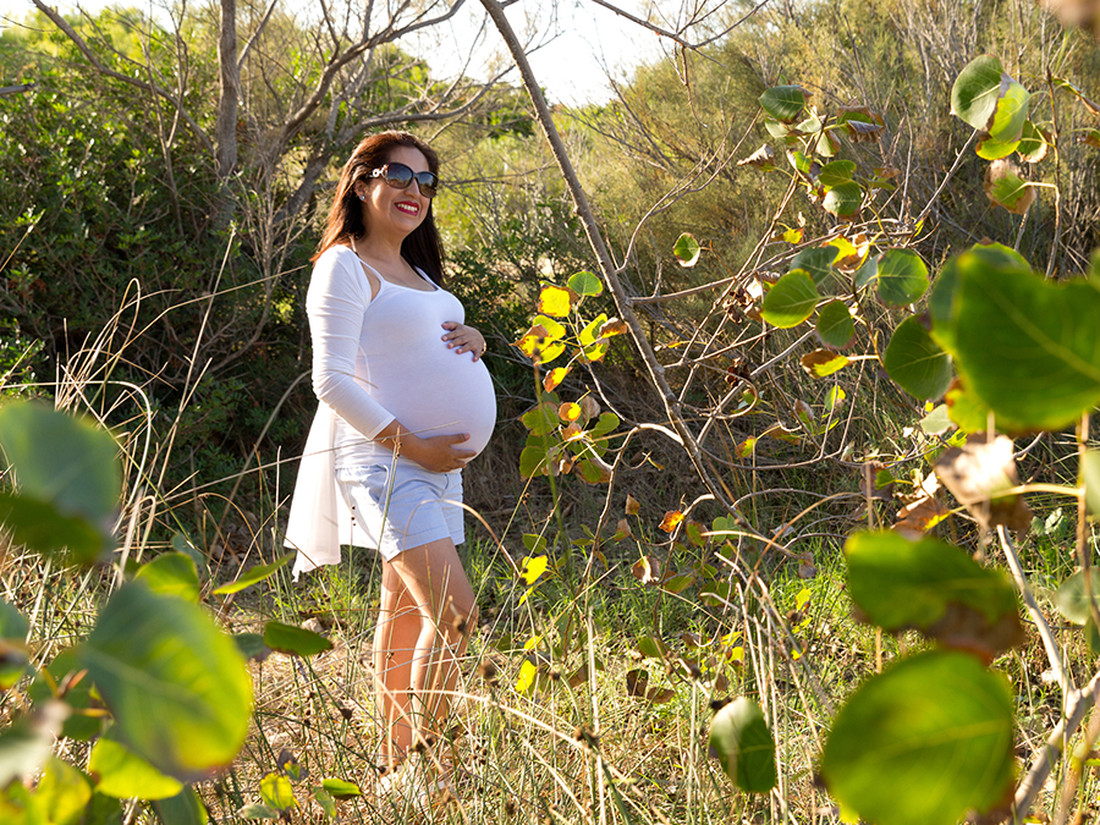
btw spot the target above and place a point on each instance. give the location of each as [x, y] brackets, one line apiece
[462, 338]
[437, 454]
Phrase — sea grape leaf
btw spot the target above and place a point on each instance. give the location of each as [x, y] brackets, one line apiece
[791, 300]
[978, 473]
[1090, 480]
[989, 148]
[176, 685]
[64, 792]
[255, 575]
[823, 362]
[836, 172]
[843, 200]
[940, 720]
[184, 808]
[743, 744]
[124, 775]
[341, 788]
[294, 640]
[171, 574]
[585, 283]
[1034, 143]
[835, 326]
[915, 362]
[988, 99]
[902, 277]
[784, 103]
[1027, 347]
[1004, 187]
[555, 300]
[933, 587]
[1072, 597]
[687, 250]
[67, 495]
[817, 260]
[277, 792]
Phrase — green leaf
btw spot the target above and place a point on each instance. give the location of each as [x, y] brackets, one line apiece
[276, 792]
[784, 103]
[182, 544]
[1033, 143]
[182, 809]
[817, 260]
[1072, 598]
[341, 788]
[687, 250]
[251, 645]
[123, 775]
[533, 461]
[39, 526]
[915, 362]
[256, 811]
[989, 148]
[175, 684]
[543, 419]
[79, 475]
[791, 300]
[297, 641]
[902, 277]
[1009, 190]
[64, 792]
[836, 172]
[14, 656]
[843, 200]
[171, 574]
[989, 100]
[835, 326]
[255, 575]
[1090, 480]
[740, 738]
[939, 721]
[585, 283]
[936, 422]
[1027, 347]
[933, 587]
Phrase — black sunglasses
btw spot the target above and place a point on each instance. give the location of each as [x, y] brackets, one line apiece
[399, 176]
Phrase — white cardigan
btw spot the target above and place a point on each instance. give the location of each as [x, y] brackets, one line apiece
[320, 520]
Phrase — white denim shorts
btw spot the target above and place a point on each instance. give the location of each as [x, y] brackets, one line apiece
[401, 505]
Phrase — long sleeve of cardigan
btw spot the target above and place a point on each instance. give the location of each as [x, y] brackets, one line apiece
[338, 296]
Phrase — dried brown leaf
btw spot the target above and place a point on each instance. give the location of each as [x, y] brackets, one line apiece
[978, 473]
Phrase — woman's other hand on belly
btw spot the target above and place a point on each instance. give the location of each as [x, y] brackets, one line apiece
[462, 338]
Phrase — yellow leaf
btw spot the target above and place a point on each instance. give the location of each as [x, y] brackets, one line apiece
[554, 378]
[671, 520]
[737, 654]
[527, 674]
[803, 598]
[555, 300]
[569, 411]
[532, 567]
[532, 643]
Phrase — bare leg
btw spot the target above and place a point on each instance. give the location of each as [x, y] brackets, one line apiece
[434, 580]
[395, 641]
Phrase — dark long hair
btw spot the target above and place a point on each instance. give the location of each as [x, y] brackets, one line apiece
[422, 247]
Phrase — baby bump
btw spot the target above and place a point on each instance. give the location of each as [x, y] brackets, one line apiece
[453, 394]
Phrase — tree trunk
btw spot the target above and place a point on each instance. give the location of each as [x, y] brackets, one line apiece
[226, 135]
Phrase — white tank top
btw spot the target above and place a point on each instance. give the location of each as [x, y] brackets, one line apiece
[405, 366]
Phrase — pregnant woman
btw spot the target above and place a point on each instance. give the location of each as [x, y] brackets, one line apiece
[405, 403]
